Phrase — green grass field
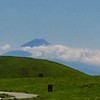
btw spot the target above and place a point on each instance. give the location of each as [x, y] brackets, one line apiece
[68, 84]
[63, 88]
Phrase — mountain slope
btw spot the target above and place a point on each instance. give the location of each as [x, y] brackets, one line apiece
[18, 53]
[29, 67]
[83, 67]
[21, 53]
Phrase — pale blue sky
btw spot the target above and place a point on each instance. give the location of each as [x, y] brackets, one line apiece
[75, 23]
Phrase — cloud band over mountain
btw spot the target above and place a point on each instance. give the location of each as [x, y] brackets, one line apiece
[65, 53]
[5, 48]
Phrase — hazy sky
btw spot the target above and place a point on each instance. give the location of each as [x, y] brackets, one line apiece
[75, 23]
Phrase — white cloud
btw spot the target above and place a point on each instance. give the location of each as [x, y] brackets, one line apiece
[65, 53]
[5, 47]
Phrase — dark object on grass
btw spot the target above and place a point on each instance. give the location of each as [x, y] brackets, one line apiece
[50, 88]
[40, 74]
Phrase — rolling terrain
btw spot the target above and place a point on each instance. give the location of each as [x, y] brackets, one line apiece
[22, 75]
[29, 49]
[28, 67]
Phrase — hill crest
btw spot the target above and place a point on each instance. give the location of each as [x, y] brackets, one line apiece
[28, 67]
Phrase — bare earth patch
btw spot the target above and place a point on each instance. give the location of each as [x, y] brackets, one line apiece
[19, 95]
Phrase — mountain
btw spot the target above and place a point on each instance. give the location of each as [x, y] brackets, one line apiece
[36, 42]
[83, 67]
[18, 53]
[29, 67]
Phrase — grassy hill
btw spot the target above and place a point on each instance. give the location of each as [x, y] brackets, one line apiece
[21, 75]
[28, 67]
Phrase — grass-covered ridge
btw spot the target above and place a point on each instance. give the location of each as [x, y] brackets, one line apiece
[21, 75]
[28, 67]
